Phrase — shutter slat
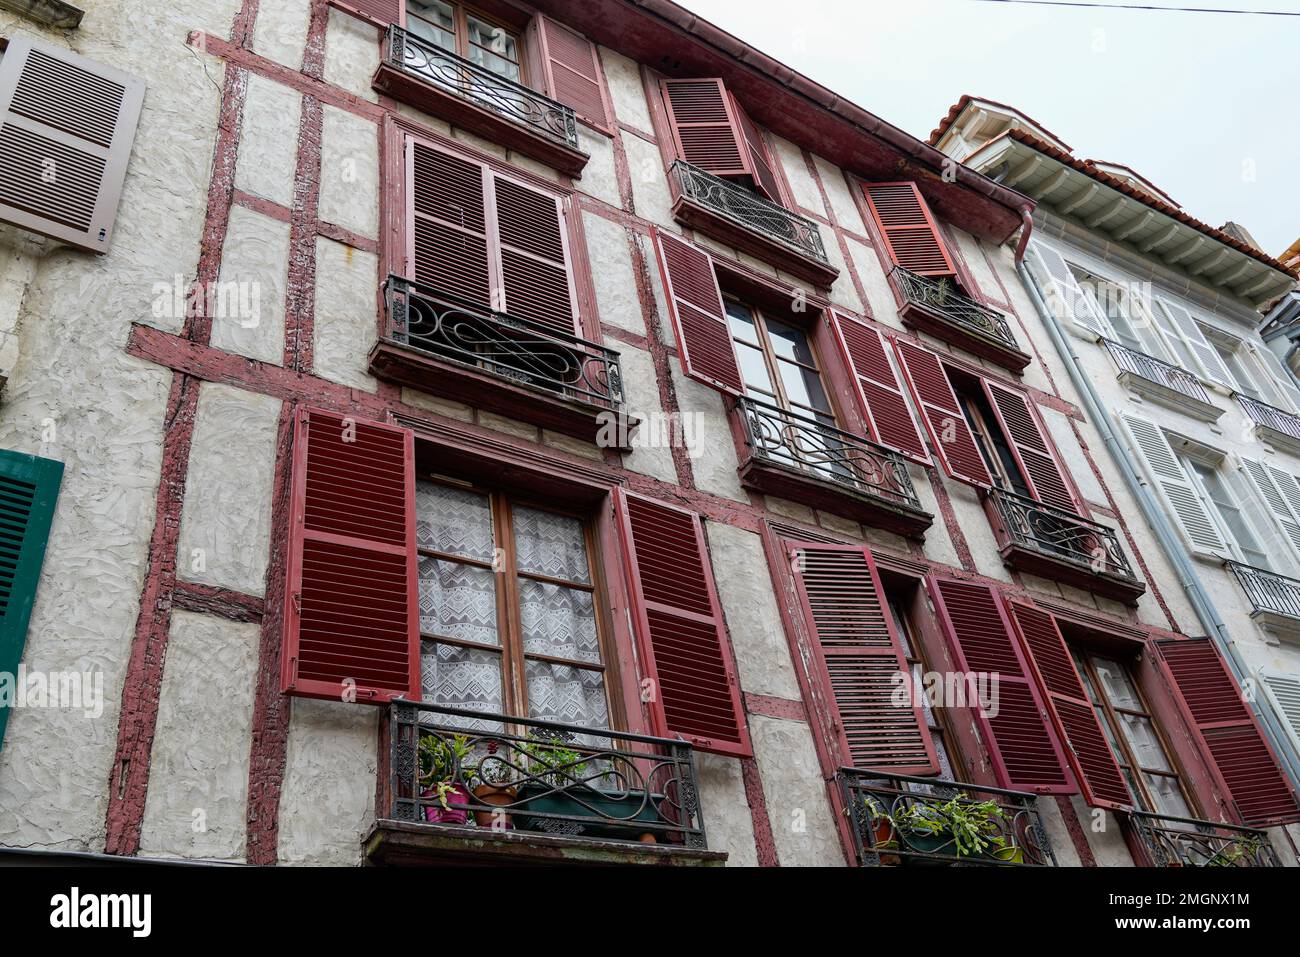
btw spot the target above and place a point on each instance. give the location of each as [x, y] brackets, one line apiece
[705, 129]
[1186, 327]
[1063, 292]
[446, 203]
[573, 71]
[879, 395]
[1174, 485]
[1031, 446]
[698, 314]
[350, 609]
[910, 232]
[679, 627]
[760, 161]
[950, 435]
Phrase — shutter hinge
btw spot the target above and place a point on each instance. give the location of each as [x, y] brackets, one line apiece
[296, 598]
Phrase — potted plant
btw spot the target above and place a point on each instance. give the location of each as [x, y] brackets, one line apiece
[883, 834]
[443, 775]
[496, 788]
[958, 826]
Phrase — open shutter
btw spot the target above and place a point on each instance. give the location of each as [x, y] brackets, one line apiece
[1284, 693]
[573, 71]
[910, 232]
[950, 435]
[1213, 703]
[1278, 490]
[1031, 445]
[705, 129]
[681, 637]
[29, 489]
[1175, 487]
[1180, 323]
[760, 161]
[447, 231]
[535, 281]
[66, 128]
[1022, 743]
[351, 609]
[861, 657]
[699, 317]
[382, 13]
[1064, 295]
[879, 395]
[1280, 378]
[1071, 709]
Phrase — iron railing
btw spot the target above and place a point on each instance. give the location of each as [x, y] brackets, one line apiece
[1188, 842]
[1156, 370]
[942, 297]
[1060, 534]
[785, 438]
[750, 210]
[479, 85]
[1268, 591]
[518, 350]
[453, 767]
[897, 819]
[1271, 417]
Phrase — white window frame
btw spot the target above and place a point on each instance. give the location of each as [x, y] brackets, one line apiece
[1189, 459]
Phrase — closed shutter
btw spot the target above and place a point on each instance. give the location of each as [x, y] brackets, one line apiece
[573, 71]
[1062, 291]
[1284, 693]
[1212, 701]
[1181, 324]
[447, 217]
[29, 489]
[862, 658]
[1174, 486]
[1279, 492]
[1072, 709]
[382, 13]
[350, 617]
[910, 232]
[699, 317]
[1031, 445]
[950, 435]
[1022, 743]
[877, 389]
[683, 642]
[535, 281]
[66, 128]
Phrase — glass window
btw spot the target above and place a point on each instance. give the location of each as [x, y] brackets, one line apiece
[916, 663]
[1219, 499]
[466, 33]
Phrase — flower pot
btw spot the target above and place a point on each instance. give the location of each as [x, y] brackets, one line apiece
[454, 813]
[882, 831]
[496, 795]
[1011, 854]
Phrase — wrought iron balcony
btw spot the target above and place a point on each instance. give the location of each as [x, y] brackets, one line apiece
[938, 306]
[474, 97]
[1275, 599]
[804, 459]
[1187, 842]
[1274, 424]
[497, 361]
[1054, 543]
[1162, 381]
[900, 820]
[501, 781]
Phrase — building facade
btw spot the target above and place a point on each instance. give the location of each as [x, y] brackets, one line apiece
[560, 432]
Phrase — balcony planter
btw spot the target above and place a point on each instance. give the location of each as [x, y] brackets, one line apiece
[592, 804]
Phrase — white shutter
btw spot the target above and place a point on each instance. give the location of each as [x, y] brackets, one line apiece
[1284, 691]
[1280, 378]
[1281, 506]
[1174, 486]
[1066, 297]
[1210, 361]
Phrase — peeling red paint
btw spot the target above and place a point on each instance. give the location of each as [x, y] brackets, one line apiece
[764, 843]
[1075, 829]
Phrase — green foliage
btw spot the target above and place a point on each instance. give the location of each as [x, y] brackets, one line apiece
[441, 757]
[974, 826]
[551, 760]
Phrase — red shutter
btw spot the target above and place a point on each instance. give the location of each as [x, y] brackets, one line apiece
[705, 128]
[861, 657]
[760, 161]
[910, 232]
[573, 71]
[681, 637]
[447, 224]
[1032, 448]
[382, 13]
[950, 435]
[1072, 709]
[879, 395]
[350, 610]
[535, 280]
[1212, 701]
[1024, 748]
[699, 317]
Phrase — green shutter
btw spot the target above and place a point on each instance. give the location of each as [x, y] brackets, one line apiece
[29, 488]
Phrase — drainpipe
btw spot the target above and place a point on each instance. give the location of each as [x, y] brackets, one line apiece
[1026, 217]
[1155, 515]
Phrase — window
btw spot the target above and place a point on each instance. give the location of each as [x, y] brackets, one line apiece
[510, 616]
[913, 655]
[992, 444]
[1138, 747]
[1122, 308]
[1219, 500]
[468, 34]
[777, 363]
[1236, 361]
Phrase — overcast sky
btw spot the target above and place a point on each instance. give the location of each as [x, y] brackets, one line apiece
[1203, 105]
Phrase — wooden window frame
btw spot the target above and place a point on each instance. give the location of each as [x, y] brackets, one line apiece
[461, 13]
[779, 397]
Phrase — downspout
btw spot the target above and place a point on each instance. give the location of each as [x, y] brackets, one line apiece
[1154, 513]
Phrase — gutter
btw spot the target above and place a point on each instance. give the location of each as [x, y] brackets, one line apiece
[1154, 513]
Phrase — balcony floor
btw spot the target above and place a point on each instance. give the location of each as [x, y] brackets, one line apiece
[919, 316]
[1061, 569]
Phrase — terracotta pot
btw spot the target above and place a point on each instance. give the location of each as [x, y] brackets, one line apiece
[497, 796]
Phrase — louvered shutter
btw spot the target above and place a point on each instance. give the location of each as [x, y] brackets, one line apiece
[1280, 378]
[1031, 445]
[1279, 492]
[1071, 709]
[705, 128]
[1284, 693]
[1022, 743]
[66, 128]
[859, 651]
[382, 13]
[1213, 703]
[1181, 323]
[760, 161]
[950, 435]
[351, 610]
[1174, 486]
[681, 637]
[447, 221]
[573, 71]
[535, 279]
[29, 489]
[699, 317]
[909, 229]
[1062, 291]
[879, 394]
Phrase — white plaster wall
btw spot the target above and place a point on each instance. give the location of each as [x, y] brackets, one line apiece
[347, 288]
[349, 184]
[280, 32]
[627, 93]
[802, 186]
[711, 446]
[269, 140]
[599, 176]
[254, 268]
[641, 393]
[649, 182]
[351, 54]
[613, 275]
[727, 824]
[803, 825]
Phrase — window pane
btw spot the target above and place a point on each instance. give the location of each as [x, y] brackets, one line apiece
[741, 322]
[453, 520]
[1119, 687]
[432, 20]
[1142, 738]
[753, 367]
[490, 61]
[1167, 795]
[566, 695]
[803, 387]
[461, 678]
[789, 342]
[557, 621]
[458, 601]
[492, 38]
[552, 545]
